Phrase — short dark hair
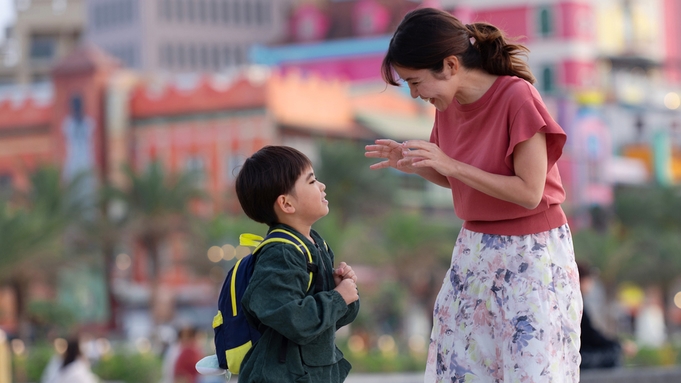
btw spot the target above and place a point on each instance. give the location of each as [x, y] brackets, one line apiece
[270, 172]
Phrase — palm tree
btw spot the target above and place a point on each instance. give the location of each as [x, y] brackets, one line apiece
[32, 224]
[156, 206]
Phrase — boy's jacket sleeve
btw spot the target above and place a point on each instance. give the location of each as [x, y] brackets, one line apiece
[277, 296]
[353, 308]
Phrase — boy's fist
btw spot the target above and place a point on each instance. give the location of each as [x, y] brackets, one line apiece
[347, 288]
[344, 271]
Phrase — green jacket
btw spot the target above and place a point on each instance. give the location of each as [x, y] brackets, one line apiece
[277, 302]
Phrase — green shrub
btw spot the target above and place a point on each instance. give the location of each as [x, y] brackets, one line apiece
[29, 366]
[129, 367]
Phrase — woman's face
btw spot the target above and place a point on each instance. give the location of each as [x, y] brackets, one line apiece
[437, 88]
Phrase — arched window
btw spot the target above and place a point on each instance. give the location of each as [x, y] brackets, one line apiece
[545, 22]
[548, 80]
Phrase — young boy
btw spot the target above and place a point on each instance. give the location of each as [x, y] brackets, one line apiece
[277, 186]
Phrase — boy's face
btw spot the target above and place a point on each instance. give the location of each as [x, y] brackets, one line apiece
[308, 197]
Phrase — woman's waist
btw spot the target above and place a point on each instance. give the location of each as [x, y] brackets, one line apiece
[545, 220]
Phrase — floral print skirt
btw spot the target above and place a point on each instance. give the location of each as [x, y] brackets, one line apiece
[509, 311]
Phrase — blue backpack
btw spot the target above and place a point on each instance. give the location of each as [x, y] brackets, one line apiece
[233, 335]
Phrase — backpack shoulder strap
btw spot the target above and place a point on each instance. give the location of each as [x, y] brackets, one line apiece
[278, 235]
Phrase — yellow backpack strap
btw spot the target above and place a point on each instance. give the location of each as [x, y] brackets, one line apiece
[297, 245]
[250, 240]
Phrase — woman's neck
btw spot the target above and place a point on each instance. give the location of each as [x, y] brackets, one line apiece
[474, 85]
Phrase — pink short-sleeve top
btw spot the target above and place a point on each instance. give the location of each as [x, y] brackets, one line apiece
[484, 134]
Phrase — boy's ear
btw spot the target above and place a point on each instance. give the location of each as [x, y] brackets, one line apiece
[283, 204]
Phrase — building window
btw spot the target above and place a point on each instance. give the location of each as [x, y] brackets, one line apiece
[239, 55]
[548, 80]
[43, 47]
[192, 57]
[165, 12]
[237, 12]
[204, 58]
[181, 62]
[227, 56]
[545, 27]
[191, 11]
[203, 11]
[260, 12]
[248, 12]
[224, 12]
[179, 10]
[197, 168]
[167, 59]
[216, 57]
[214, 13]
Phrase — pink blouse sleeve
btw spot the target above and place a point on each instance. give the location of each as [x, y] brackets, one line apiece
[532, 118]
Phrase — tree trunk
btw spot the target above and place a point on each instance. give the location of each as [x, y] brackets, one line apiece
[19, 286]
[151, 245]
[109, 261]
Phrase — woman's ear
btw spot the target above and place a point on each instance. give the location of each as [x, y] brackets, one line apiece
[451, 65]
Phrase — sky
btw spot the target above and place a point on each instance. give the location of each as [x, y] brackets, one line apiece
[6, 15]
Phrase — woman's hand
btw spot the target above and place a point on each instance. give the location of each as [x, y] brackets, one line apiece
[392, 152]
[422, 154]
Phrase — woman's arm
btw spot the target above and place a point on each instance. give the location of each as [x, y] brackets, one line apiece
[525, 188]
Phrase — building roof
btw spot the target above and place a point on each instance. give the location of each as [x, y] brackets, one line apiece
[85, 58]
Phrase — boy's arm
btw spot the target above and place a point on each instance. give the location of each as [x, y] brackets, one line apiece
[349, 317]
[276, 295]
[353, 308]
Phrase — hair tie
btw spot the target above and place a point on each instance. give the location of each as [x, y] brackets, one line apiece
[470, 28]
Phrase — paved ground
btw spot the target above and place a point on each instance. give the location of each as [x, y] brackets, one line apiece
[385, 378]
[619, 375]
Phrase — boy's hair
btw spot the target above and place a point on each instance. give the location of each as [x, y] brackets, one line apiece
[270, 172]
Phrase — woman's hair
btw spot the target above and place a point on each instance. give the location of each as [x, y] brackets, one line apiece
[72, 351]
[270, 172]
[426, 36]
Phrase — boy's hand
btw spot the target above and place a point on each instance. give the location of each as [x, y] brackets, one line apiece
[348, 290]
[344, 271]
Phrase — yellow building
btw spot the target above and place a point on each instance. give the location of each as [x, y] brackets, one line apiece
[43, 32]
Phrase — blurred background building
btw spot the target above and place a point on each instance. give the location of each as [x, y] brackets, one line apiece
[201, 84]
[43, 32]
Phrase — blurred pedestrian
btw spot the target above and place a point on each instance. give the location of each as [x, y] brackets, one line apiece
[510, 306]
[188, 354]
[5, 362]
[170, 353]
[598, 350]
[649, 327]
[75, 368]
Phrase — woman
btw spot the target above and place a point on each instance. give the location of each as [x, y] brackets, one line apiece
[509, 309]
[74, 368]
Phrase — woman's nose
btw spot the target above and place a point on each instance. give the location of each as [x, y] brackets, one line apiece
[413, 92]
